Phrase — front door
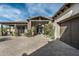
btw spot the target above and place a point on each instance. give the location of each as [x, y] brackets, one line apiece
[39, 29]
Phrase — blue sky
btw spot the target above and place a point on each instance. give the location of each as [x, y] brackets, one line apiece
[21, 11]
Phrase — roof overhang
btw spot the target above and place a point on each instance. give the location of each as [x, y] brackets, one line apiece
[38, 18]
[62, 9]
[68, 19]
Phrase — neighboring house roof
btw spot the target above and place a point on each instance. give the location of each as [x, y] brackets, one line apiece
[19, 22]
[38, 18]
[25, 22]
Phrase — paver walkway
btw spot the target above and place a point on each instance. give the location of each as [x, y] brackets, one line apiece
[16, 46]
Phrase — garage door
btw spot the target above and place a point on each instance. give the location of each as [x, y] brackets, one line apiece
[70, 32]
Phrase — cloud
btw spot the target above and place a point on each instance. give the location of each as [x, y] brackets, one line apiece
[8, 16]
[14, 12]
[9, 12]
[44, 9]
[8, 8]
[36, 9]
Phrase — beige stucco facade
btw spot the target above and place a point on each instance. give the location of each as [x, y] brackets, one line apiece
[35, 21]
[21, 27]
[72, 10]
[67, 25]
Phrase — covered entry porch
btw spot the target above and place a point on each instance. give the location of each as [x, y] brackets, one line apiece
[38, 26]
[37, 23]
[13, 28]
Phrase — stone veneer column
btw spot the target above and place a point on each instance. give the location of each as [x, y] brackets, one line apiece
[29, 25]
[1, 33]
[26, 28]
[15, 29]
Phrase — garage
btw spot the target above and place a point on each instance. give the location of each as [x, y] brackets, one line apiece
[69, 31]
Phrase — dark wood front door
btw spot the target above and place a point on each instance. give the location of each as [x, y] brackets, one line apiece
[39, 29]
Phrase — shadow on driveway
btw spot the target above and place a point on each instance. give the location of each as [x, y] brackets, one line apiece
[4, 39]
[55, 48]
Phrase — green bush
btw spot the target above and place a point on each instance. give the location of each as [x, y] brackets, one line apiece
[29, 33]
[46, 30]
[15, 34]
[49, 30]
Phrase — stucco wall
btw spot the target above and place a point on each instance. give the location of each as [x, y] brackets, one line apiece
[74, 9]
[68, 31]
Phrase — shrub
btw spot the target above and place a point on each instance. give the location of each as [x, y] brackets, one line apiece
[49, 30]
[46, 29]
[29, 33]
[15, 34]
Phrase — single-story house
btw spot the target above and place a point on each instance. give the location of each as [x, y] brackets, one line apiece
[21, 27]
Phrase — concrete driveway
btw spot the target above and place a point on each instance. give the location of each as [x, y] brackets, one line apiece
[34, 46]
[16, 46]
[56, 48]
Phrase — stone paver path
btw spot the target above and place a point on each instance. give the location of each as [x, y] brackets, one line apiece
[16, 46]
